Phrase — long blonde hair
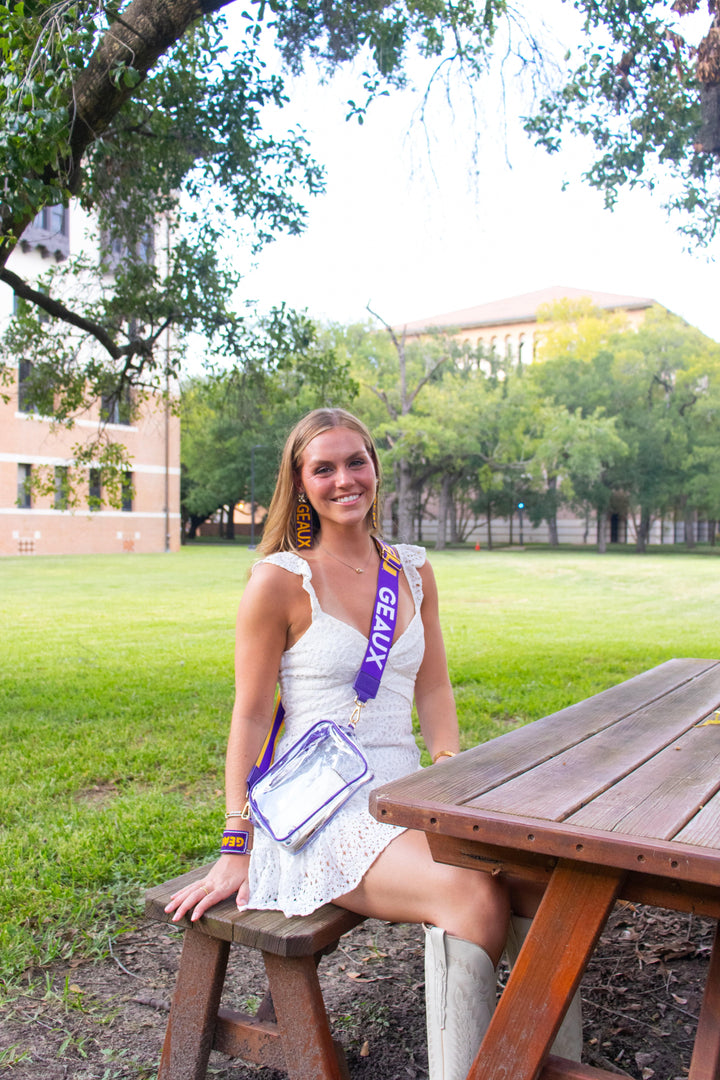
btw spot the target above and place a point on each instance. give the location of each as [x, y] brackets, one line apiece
[279, 530]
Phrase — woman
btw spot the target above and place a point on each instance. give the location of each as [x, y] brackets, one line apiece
[304, 620]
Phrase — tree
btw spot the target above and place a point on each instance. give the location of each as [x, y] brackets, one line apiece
[648, 100]
[571, 455]
[397, 377]
[659, 384]
[142, 109]
[288, 370]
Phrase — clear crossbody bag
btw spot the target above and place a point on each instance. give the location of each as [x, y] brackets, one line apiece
[294, 798]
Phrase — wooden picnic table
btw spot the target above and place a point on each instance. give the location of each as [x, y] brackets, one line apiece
[616, 797]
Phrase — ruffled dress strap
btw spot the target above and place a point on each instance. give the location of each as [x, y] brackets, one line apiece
[295, 564]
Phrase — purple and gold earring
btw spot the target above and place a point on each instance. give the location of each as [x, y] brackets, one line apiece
[303, 522]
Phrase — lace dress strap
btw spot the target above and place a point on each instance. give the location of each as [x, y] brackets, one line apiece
[412, 558]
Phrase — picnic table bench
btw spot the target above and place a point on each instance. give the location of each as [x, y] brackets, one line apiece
[290, 1031]
[615, 797]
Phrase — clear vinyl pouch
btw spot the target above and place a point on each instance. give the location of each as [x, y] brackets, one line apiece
[296, 797]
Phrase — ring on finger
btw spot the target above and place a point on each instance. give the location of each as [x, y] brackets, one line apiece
[206, 891]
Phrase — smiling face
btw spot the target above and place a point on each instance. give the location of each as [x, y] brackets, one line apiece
[338, 476]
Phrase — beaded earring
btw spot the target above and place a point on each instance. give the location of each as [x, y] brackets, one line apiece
[374, 518]
[303, 522]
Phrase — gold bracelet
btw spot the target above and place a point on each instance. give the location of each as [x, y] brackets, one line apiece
[442, 753]
[244, 813]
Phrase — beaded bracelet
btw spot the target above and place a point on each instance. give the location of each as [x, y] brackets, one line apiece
[441, 754]
[236, 842]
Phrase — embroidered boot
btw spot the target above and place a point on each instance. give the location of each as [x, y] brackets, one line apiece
[460, 985]
[569, 1039]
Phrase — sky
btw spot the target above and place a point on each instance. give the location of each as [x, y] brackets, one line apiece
[410, 226]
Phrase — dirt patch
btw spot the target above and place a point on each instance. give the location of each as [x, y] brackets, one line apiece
[106, 1020]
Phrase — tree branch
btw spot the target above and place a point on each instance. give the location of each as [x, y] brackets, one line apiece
[59, 311]
[425, 379]
[148, 28]
[384, 398]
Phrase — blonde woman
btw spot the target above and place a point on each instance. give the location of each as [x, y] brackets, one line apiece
[304, 621]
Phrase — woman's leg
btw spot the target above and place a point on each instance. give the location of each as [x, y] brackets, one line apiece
[465, 914]
[405, 884]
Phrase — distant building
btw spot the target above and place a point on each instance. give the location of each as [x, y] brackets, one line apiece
[149, 520]
[510, 327]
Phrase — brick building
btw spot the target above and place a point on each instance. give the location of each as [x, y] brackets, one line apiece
[149, 520]
[511, 327]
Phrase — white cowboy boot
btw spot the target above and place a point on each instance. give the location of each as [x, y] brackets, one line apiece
[569, 1039]
[460, 983]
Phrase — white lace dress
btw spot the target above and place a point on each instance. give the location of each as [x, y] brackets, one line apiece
[316, 677]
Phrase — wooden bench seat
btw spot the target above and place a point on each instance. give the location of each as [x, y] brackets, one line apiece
[290, 1031]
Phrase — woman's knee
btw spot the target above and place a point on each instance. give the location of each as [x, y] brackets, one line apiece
[474, 906]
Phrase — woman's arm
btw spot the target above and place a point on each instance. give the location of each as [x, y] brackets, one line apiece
[267, 609]
[433, 692]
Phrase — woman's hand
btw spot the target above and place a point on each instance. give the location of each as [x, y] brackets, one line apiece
[229, 875]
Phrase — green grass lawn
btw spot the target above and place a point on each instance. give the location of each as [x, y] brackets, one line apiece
[117, 681]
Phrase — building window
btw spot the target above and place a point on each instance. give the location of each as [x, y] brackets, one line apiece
[24, 492]
[116, 249]
[95, 489]
[116, 406]
[49, 233]
[54, 220]
[57, 220]
[127, 492]
[61, 487]
[24, 372]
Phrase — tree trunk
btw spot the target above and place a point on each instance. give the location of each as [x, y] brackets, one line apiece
[453, 515]
[553, 531]
[689, 528]
[443, 510]
[552, 517]
[489, 523]
[642, 532]
[601, 533]
[404, 501]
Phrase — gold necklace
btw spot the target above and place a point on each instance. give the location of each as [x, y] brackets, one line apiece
[357, 569]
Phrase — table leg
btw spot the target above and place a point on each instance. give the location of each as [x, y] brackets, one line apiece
[546, 974]
[705, 1064]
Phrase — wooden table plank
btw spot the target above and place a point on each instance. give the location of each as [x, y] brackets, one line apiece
[664, 794]
[482, 768]
[704, 828]
[561, 785]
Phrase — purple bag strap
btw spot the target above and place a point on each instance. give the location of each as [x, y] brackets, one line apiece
[367, 681]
